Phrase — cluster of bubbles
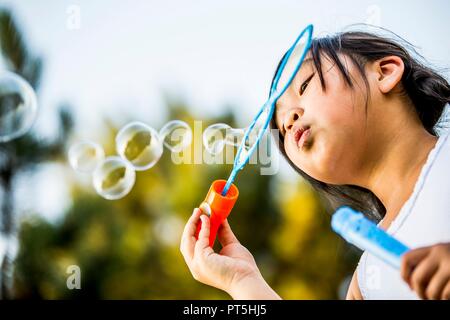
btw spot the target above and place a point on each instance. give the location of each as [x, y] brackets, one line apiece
[139, 148]
[18, 106]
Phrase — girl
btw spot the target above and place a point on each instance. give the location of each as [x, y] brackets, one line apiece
[359, 123]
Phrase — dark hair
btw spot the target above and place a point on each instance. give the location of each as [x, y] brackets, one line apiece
[428, 91]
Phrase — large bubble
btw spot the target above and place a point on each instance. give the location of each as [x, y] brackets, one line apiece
[18, 106]
[85, 156]
[113, 178]
[176, 135]
[217, 135]
[140, 145]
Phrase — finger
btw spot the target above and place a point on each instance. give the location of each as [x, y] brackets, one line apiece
[202, 245]
[446, 292]
[410, 260]
[422, 274]
[226, 235]
[188, 238]
[437, 285]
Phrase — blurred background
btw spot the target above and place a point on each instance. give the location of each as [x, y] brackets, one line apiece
[96, 65]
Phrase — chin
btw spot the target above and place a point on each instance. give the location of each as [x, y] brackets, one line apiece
[324, 170]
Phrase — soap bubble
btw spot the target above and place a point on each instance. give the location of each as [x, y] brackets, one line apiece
[85, 156]
[140, 145]
[176, 134]
[217, 135]
[18, 106]
[113, 178]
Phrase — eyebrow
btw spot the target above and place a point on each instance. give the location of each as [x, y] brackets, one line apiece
[307, 60]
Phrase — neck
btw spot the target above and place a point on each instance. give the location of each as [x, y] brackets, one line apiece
[394, 171]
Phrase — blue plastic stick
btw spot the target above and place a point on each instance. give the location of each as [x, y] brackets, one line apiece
[275, 93]
[366, 235]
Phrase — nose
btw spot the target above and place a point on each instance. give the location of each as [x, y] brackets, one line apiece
[292, 116]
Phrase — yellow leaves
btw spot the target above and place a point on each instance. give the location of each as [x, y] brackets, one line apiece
[95, 238]
[295, 288]
[62, 260]
[134, 241]
[299, 209]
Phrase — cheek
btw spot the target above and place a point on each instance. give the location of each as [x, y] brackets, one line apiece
[338, 123]
[322, 160]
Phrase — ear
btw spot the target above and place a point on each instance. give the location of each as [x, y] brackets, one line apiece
[389, 71]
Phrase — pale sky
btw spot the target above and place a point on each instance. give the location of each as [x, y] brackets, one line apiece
[211, 53]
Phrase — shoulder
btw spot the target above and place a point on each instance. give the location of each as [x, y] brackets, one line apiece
[428, 206]
[442, 148]
[436, 172]
[353, 292]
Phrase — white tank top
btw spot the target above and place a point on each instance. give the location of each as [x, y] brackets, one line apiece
[423, 220]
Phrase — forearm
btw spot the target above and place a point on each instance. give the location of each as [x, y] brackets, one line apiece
[253, 288]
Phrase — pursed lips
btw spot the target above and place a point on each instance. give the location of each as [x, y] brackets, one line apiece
[298, 133]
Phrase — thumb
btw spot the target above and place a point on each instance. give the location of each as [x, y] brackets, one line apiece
[226, 235]
[410, 260]
[203, 236]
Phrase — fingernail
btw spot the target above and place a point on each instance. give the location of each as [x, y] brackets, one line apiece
[193, 212]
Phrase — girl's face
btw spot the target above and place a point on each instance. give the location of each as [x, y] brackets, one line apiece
[324, 131]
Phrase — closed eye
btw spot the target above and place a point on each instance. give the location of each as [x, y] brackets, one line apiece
[305, 84]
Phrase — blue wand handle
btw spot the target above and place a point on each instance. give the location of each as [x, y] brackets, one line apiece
[366, 235]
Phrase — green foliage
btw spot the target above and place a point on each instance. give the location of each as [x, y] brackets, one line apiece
[28, 151]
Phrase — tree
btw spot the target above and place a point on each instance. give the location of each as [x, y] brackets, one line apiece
[23, 153]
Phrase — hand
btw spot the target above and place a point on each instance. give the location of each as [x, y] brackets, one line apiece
[427, 271]
[233, 263]
[233, 269]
